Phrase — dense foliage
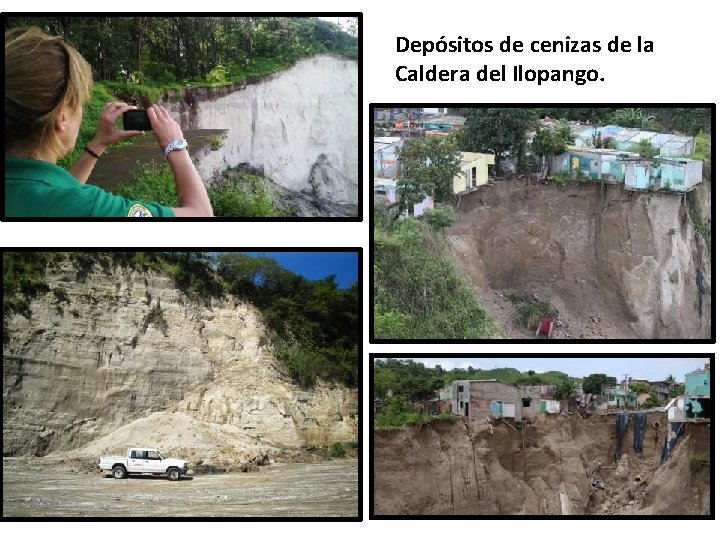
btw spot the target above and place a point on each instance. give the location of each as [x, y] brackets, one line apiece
[552, 141]
[397, 412]
[414, 381]
[237, 193]
[407, 378]
[564, 389]
[593, 383]
[314, 323]
[646, 149]
[419, 291]
[23, 280]
[427, 168]
[165, 50]
[503, 130]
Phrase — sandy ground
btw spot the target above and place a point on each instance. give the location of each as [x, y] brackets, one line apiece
[323, 489]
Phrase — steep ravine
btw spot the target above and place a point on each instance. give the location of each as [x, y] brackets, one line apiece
[94, 373]
[559, 465]
[298, 126]
[616, 264]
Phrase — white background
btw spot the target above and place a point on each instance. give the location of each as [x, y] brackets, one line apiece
[683, 68]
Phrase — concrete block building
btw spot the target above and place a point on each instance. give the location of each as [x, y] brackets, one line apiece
[697, 394]
[496, 399]
[473, 171]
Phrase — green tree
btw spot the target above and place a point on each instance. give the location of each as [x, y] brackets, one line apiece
[640, 388]
[564, 390]
[407, 378]
[633, 118]
[385, 380]
[646, 149]
[427, 168]
[552, 141]
[679, 391]
[441, 217]
[652, 401]
[175, 49]
[592, 384]
[502, 130]
[532, 378]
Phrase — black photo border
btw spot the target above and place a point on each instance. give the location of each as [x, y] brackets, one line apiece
[358, 218]
[359, 415]
[370, 414]
[369, 195]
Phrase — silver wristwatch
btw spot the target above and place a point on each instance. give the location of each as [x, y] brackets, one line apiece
[175, 144]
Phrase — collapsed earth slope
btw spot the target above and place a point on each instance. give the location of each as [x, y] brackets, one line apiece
[558, 465]
[615, 263]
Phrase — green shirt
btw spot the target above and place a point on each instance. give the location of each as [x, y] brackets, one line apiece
[35, 188]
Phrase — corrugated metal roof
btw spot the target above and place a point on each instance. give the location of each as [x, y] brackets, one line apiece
[436, 118]
[583, 132]
[469, 157]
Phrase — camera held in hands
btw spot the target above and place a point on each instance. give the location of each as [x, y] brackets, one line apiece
[136, 120]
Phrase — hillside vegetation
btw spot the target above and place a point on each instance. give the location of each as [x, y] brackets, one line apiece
[419, 292]
[313, 323]
[414, 381]
[402, 384]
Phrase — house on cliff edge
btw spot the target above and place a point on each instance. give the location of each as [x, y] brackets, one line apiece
[474, 171]
[629, 169]
[496, 399]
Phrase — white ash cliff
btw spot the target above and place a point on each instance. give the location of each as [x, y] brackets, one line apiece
[126, 358]
[298, 126]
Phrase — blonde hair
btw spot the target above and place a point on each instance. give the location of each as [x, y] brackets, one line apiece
[41, 74]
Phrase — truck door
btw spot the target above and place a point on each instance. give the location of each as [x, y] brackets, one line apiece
[138, 461]
[154, 463]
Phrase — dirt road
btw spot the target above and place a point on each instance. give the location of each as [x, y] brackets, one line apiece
[328, 488]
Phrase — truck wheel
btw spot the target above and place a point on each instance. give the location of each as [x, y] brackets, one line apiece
[119, 472]
[173, 474]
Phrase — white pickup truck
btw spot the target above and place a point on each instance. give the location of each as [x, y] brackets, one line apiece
[143, 461]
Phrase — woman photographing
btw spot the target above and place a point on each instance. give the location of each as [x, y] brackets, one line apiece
[47, 83]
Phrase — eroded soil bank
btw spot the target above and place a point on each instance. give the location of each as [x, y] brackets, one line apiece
[558, 465]
[308, 489]
[614, 263]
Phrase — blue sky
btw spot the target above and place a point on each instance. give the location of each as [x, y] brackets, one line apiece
[638, 368]
[318, 264]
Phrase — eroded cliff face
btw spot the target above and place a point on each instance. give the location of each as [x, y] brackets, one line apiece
[299, 126]
[97, 372]
[551, 467]
[615, 263]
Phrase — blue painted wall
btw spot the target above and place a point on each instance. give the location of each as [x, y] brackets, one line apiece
[697, 384]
